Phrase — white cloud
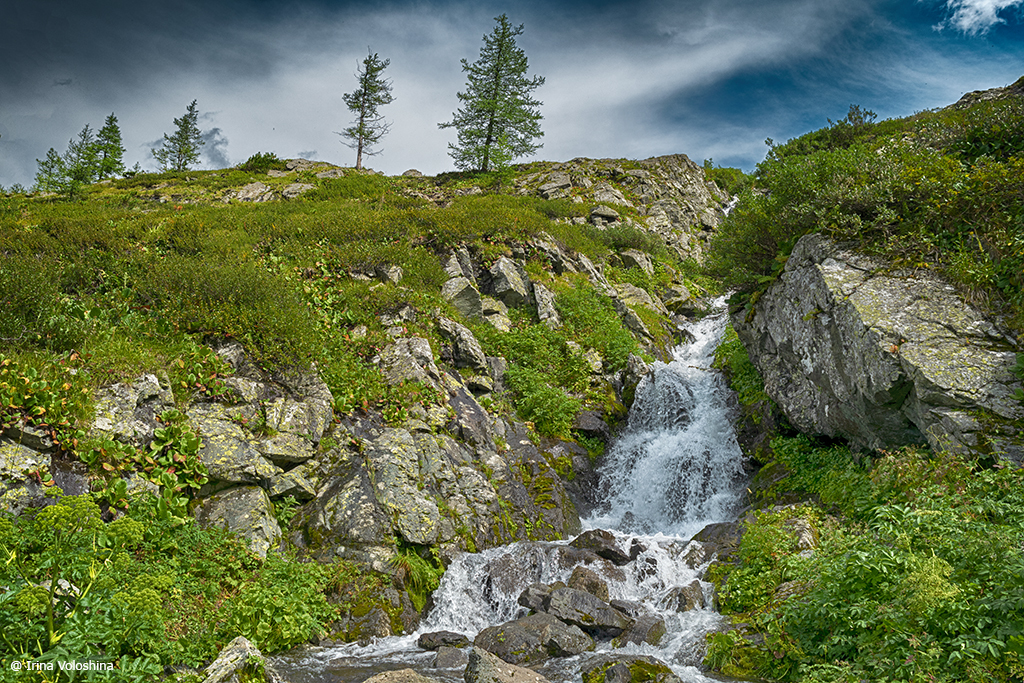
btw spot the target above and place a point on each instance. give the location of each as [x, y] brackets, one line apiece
[978, 16]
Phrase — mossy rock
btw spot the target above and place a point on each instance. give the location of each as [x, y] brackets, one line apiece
[627, 669]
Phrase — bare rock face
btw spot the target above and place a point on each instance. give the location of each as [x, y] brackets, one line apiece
[849, 348]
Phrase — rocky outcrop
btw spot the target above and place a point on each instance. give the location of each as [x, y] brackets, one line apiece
[851, 348]
[669, 195]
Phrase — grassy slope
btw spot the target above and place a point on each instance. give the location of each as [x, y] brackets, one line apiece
[142, 274]
[918, 573]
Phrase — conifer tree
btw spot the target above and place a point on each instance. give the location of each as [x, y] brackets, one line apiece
[498, 113]
[373, 92]
[67, 173]
[109, 150]
[181, 150]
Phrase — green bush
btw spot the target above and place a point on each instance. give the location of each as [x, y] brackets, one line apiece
[353, 185]
[261, 162]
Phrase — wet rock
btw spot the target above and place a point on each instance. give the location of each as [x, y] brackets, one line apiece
[685, 598]
[603, 543]
[535, 597]
[401, 676]
[586, 611]
[243, 510]
[587, 580]
[533, 639]
[721, 539]
[240, 661]
[647, 628]
[591, 423]
[484, 667]
[450, 658]
[436, 639]
[627, 669]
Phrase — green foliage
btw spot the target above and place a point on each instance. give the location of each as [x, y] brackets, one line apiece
[352, 186]
[937, 190]
[421, 576]
[921, 579]
[109, 150]
[550, 409]
[180, 150]
[373, 92]
[590, 319]
[49, 401]
[261, 162]
[731, 356]
[732, 180]
[499, 119]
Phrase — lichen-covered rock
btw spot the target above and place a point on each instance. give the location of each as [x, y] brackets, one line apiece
[394, 463]
[849, 348]
[633, 258]
[229, 452]
[484, 667]
[410, 359]
[17, 489]
[401, 676]
[243, 510]
[240, 662]
[546, 310]
[685, 598]
[128, 411]
[634, 296]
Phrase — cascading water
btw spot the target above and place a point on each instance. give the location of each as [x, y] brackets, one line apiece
[678, 466]
[676, 469]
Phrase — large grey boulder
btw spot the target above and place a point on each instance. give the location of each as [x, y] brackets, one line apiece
[401, 676]
[229, 452]
[462, 293]
[243, 510]
[850, 348]
[508, 284]
[627, 669]
[484, 667]
[533, 639]
[18, 490]
[590, 613]
[394, 463]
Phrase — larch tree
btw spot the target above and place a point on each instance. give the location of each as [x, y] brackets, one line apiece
[499, 121]
[109, 150]
[373, 92]
[181, 150]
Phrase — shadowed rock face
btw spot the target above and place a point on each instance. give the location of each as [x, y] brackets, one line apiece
[849, 348]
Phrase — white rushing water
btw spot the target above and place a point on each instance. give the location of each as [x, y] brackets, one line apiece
[675, 469]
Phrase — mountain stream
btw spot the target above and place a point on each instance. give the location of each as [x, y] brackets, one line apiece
[675, 469]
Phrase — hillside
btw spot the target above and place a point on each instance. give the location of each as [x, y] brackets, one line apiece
[208, 380]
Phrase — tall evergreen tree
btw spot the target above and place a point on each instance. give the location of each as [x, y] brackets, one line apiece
[373, 92]
[498, 113]
[109, 150]
[181, 150]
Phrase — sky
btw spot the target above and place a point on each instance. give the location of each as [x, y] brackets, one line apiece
[624, 79]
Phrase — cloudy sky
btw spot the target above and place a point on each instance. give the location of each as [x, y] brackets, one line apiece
[708, 78]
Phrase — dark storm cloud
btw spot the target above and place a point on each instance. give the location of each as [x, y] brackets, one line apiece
[704, 77]
[214, 150]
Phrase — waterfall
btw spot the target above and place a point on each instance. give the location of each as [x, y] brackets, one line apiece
[676, 468]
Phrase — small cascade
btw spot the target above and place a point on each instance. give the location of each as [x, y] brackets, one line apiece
[678, 466]
[676, 469]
